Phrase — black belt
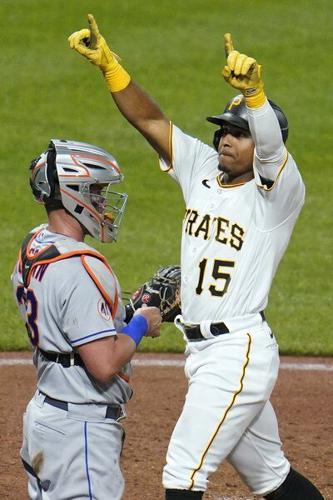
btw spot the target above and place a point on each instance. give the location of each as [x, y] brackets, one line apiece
[112, 411]
[193, 333]
[66, 360]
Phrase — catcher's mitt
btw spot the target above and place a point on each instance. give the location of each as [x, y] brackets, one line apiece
[162, 291]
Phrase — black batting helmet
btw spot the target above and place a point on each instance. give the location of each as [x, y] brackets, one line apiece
[235, 113]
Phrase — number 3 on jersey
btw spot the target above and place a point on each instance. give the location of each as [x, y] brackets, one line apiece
[28, 299]
[218, 273]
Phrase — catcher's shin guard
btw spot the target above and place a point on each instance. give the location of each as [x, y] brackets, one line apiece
[183, 494]
[295, 487]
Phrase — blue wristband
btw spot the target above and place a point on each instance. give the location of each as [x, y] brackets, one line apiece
[136, 328]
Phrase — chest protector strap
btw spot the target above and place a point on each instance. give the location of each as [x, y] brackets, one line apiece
[30, 258]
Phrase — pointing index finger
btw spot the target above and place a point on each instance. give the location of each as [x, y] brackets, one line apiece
[94, 31]
[228, 45]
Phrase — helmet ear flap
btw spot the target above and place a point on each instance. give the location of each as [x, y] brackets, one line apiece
[217, 138]
[51, 170]
[35, 190]
[44, 177]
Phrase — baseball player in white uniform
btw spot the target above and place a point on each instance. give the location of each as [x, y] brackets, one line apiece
[242, 201]
[70, 300]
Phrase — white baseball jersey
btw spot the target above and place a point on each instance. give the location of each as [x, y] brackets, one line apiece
[232, 242]
[234, 236]
[63, 308]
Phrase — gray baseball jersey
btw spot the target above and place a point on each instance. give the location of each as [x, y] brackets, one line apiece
[64, 308]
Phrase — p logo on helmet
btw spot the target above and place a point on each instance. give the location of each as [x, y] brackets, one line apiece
[235, 102]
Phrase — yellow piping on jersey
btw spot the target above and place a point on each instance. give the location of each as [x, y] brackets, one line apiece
[170, 151]
[170, 143]
[262, 186]
[247, 359]
[220, 183]
[278, 175]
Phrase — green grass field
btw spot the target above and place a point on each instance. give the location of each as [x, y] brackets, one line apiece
[174, 49]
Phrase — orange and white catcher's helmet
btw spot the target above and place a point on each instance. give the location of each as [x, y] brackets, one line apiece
[78, 177]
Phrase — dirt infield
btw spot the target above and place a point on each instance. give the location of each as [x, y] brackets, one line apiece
[303, 400]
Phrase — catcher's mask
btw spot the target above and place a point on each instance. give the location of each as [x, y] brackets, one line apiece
[235, 114]
[78, 176]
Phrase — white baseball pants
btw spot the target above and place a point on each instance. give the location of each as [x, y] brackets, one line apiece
[227, 413]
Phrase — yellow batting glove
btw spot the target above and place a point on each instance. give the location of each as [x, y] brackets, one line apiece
[92, 45]
[244, 74]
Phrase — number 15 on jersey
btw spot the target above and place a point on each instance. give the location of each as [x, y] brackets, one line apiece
[220, 274]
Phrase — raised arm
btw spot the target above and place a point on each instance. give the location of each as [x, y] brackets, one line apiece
[135, 104]
[244, 74]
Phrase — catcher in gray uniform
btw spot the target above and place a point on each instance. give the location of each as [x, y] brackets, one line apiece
[70, 301]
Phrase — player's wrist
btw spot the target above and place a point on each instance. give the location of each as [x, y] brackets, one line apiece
[256, 99]
[116, 76]
[136, 328]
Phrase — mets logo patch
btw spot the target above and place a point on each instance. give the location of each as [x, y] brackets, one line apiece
[104, 310]
[146, 298]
